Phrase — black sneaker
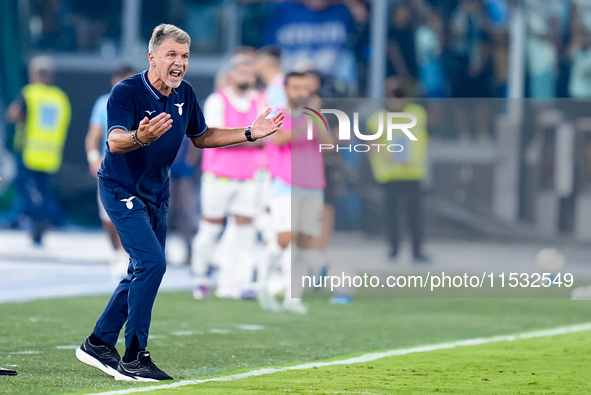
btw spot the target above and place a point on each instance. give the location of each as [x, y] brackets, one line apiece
[7, 372]
[105, 358]
[142, 369]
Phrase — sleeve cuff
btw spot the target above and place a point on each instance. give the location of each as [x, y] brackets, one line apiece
[198, 134]
[117, 127]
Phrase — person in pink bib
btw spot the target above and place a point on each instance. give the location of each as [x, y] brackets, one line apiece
[229, 188]
[296, 201]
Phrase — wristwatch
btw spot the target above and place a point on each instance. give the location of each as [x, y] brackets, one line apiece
[248, 135]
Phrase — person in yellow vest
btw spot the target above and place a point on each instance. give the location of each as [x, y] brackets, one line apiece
[400, 173]
[43, 111]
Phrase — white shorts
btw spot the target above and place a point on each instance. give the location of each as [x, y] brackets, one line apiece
[222, 196]
[296, 210]
[101, 209]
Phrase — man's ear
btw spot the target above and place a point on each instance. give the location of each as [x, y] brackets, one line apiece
[151, 58]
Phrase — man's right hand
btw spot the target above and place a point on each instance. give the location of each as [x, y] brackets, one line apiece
[120, 141]
[151, 129]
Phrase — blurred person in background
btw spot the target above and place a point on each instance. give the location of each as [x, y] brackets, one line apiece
[314, 30]
[200, 21]
[429, 51]
[182, 215]
[96, 144]
[7, 171]
[296, 198]
[570, 22]
[335, 170]
[202, 291]
[579, 86]
[224, 251]
[43, 112]
[400, 173]
[270, 71]
[254, 13]
[500, 48]
[10, 172]
[70, 25]
[402, 60]
[228, 186]
[95, 23]
[466, 38]
[497, 12]
[52, 27]
[429, 47]
[542, 51]
[470, 70]
[497, 16]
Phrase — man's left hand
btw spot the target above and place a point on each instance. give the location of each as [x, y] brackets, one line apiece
[263, 126]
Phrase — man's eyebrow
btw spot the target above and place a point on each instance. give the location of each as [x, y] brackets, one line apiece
[174, 51]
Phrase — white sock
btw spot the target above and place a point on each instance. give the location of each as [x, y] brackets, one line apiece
[270, 259]
[224, 250]
[236, 268]
[293, 292]
[245, 237]
[202, 247]
[286, 257]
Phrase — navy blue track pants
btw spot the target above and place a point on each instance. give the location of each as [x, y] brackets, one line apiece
[142, 229]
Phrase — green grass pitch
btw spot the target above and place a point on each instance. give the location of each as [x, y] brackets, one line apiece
[553, 365]
[193, 339]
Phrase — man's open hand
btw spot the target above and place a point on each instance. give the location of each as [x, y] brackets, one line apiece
[263, 126]
[151, 129]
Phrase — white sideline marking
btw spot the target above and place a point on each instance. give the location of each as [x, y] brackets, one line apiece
[217, 331]
[185, 333]
[25, 352]
[250, 327]
[68, 347]
[366, 357]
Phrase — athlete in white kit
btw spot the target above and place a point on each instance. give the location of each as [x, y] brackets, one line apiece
[228, 186]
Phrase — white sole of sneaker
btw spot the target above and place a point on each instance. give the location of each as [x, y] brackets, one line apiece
[121, 377]
[91, 361]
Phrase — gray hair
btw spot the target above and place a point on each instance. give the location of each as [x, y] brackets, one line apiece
[41, 69]
[164, 31]
[241, 60]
